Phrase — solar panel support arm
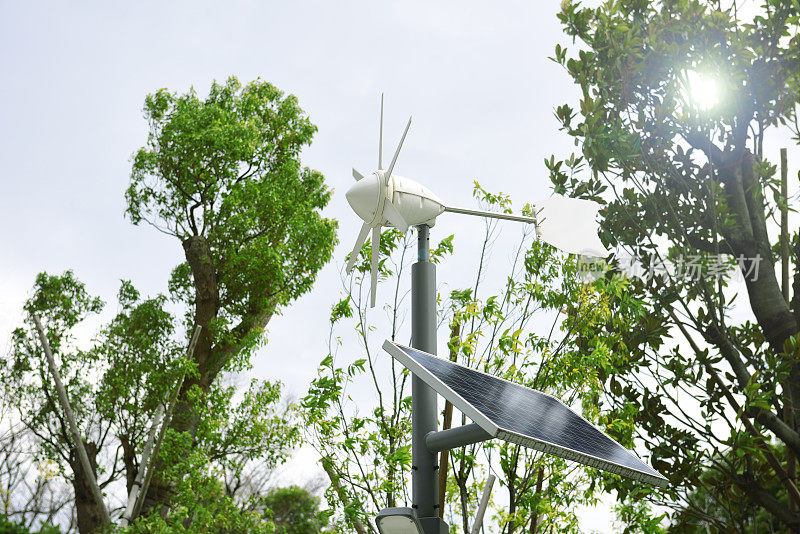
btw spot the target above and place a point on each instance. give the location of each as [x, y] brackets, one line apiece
[453, 438]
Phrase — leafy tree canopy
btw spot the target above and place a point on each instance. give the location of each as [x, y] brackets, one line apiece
[294, 510]
[114, 383]
[223, 175]
[688, 190]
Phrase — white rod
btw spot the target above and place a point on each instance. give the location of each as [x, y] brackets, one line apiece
[73, 427]
[137, 483]
[492, 214]
[487, 491]
[137, 508]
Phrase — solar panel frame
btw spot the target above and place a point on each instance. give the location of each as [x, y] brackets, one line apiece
[397, 351]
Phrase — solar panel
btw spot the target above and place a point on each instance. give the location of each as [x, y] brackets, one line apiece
[521, 415]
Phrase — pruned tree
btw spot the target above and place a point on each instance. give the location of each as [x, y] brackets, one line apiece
[114, 383]
[223, 176]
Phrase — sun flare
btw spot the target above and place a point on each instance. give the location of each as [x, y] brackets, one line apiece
[702, 92]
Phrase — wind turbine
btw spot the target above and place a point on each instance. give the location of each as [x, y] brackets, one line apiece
[383, 198]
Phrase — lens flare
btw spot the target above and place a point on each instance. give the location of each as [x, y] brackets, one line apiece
[702, 92]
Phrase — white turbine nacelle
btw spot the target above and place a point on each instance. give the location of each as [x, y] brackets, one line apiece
[379, 201]
[385, 199]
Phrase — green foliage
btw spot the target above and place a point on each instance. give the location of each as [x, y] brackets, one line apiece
[200, 503]
[213, 484]
[227, 168]
[223, 175]
[366, 447]
[294, 511]
[114, 387]
[370, 446]
[66, 301]
[9, 527]
[725, 505]
[684, 182]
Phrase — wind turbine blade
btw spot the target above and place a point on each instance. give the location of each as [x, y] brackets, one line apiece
[570, 224]
[373, 276]
[397, 152]
[362, 236]
[357, 175]
[380, 139]
[393, 216]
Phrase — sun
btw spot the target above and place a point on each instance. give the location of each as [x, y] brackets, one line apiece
[701, 91]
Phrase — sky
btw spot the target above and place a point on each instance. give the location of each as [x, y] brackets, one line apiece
[475, 76]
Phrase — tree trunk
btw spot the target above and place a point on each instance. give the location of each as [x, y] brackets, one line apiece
[751, 242]
[535, 515]
[512, 498]
[129, 460]
[90, 519]
[185, 417]
[767, 301]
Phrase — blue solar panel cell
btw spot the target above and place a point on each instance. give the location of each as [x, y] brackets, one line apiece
[518, 414]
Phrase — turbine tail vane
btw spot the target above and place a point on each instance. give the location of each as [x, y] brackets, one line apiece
[570, 225]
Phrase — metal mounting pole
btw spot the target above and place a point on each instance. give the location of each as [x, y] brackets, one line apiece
[452, 438]
[425, 471]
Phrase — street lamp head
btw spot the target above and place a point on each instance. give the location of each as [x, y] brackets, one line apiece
[401, 520]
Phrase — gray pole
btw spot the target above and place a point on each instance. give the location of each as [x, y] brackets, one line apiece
[425, 472]
[454, 438]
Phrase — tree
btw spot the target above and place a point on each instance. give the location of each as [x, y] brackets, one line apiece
[26, 496]
[113, 387]
[223, 176]
[530, 331]
[9, 527]
[114, 383]
[686, 187]
[294, 510]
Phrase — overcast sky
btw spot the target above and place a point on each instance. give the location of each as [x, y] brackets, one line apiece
[476, 78]
[475, 75]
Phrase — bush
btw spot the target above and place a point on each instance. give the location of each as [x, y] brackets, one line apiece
[294, 511]
[9, 527]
